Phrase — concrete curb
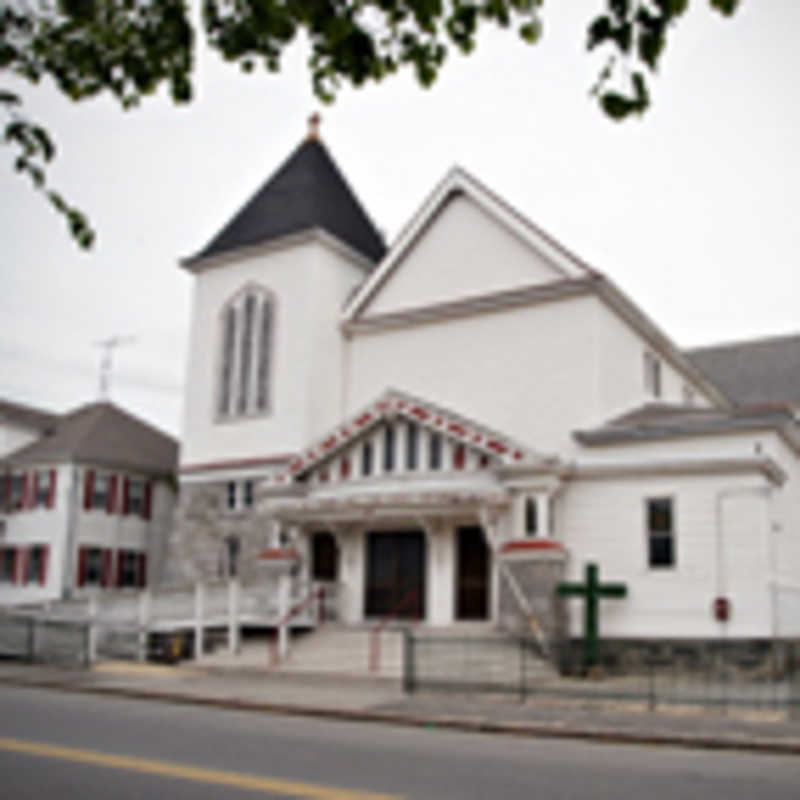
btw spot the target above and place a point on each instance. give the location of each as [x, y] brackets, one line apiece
[470, 725]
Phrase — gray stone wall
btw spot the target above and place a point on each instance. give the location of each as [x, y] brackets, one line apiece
[537, 578]
[197, 544]
[746, 659]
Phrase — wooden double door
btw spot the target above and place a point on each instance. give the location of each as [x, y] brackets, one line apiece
[395, 574]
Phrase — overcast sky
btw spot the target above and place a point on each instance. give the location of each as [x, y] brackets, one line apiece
[693, 210]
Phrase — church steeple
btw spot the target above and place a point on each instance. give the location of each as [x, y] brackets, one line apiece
[308, 191]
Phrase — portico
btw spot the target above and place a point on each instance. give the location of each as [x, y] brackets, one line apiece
[405, 508]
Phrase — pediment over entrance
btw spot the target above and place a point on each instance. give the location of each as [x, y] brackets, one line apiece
[402, 436]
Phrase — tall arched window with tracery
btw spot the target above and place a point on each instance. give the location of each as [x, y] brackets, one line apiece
[246, 354]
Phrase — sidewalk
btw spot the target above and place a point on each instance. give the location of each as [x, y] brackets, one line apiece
[382, 701]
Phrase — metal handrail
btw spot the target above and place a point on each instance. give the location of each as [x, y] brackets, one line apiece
[319, 594]
[375, 642]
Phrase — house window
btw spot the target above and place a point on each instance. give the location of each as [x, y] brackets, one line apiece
[660, 532]
[459, 456]
[34, 564]
[232, 547]
[7, 562]
[245, 359]
[412, 440]
[94, 565]
[42, 487]
[248, 494]
[136, 497]
[531, 517]
[231, 494]
[652, 374]
[366, 458]
[100, 489]
[128, 568]
[435, 451]
[388, 449]
[17, 491]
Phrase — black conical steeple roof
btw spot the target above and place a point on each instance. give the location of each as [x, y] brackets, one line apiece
[307, 191]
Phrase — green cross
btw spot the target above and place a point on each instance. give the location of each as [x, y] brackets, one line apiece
[592, 591]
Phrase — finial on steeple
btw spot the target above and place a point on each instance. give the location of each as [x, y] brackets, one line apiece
[313, 125]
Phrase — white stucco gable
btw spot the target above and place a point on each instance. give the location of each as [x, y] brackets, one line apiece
[464, 242]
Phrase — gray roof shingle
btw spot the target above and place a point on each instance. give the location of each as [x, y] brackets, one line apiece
[27, 416]
[661, 421]
[102, 433]
[757, 372]
[308, 191]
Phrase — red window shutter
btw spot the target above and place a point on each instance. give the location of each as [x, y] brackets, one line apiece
[45, 550]
[34, 486]
[22, 500]
[111, 497]
[88, 488]
[142, 569]
[148, 499]
[120, 562]
[105, 575]
[126, 494]
[459, 456]
[23, 565]
[51, 497]
[83, 558]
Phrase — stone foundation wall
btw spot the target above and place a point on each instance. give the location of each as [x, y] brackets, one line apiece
[747, 659]
[197, 545]
[537, 579]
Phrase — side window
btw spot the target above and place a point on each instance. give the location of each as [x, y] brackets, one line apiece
[366, 458]
[531, 517]
[435, 451]
[652, 374]
[244, 379]
[388, 449]
[660, 532]
[412, 439]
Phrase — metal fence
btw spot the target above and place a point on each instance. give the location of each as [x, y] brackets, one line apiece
[54, 641]
[710, 675]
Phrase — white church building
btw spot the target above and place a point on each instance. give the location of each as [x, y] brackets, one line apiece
[447, 428]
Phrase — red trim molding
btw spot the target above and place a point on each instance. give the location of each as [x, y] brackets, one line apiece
[526, 545]
[279, 554]
[237, 463]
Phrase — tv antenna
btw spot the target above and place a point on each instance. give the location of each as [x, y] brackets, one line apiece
[108, 346]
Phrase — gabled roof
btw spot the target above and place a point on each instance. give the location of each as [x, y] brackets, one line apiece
[572, 276]
[393, 404]
[308, 191]
[662, 421]
[757, 372]
[27, 416]
[102, 433]
[457, 181]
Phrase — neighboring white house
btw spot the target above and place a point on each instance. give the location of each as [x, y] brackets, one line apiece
[450, 427]
[84, 506]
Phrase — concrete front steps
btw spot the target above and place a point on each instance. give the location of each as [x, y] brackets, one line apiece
[344, 650]
[470, 652]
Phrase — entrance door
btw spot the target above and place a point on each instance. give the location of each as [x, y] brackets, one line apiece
[472, 592]
[395, 579]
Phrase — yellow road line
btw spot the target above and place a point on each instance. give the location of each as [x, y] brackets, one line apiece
[237, 780]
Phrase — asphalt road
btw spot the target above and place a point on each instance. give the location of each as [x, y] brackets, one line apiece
[54, 744]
